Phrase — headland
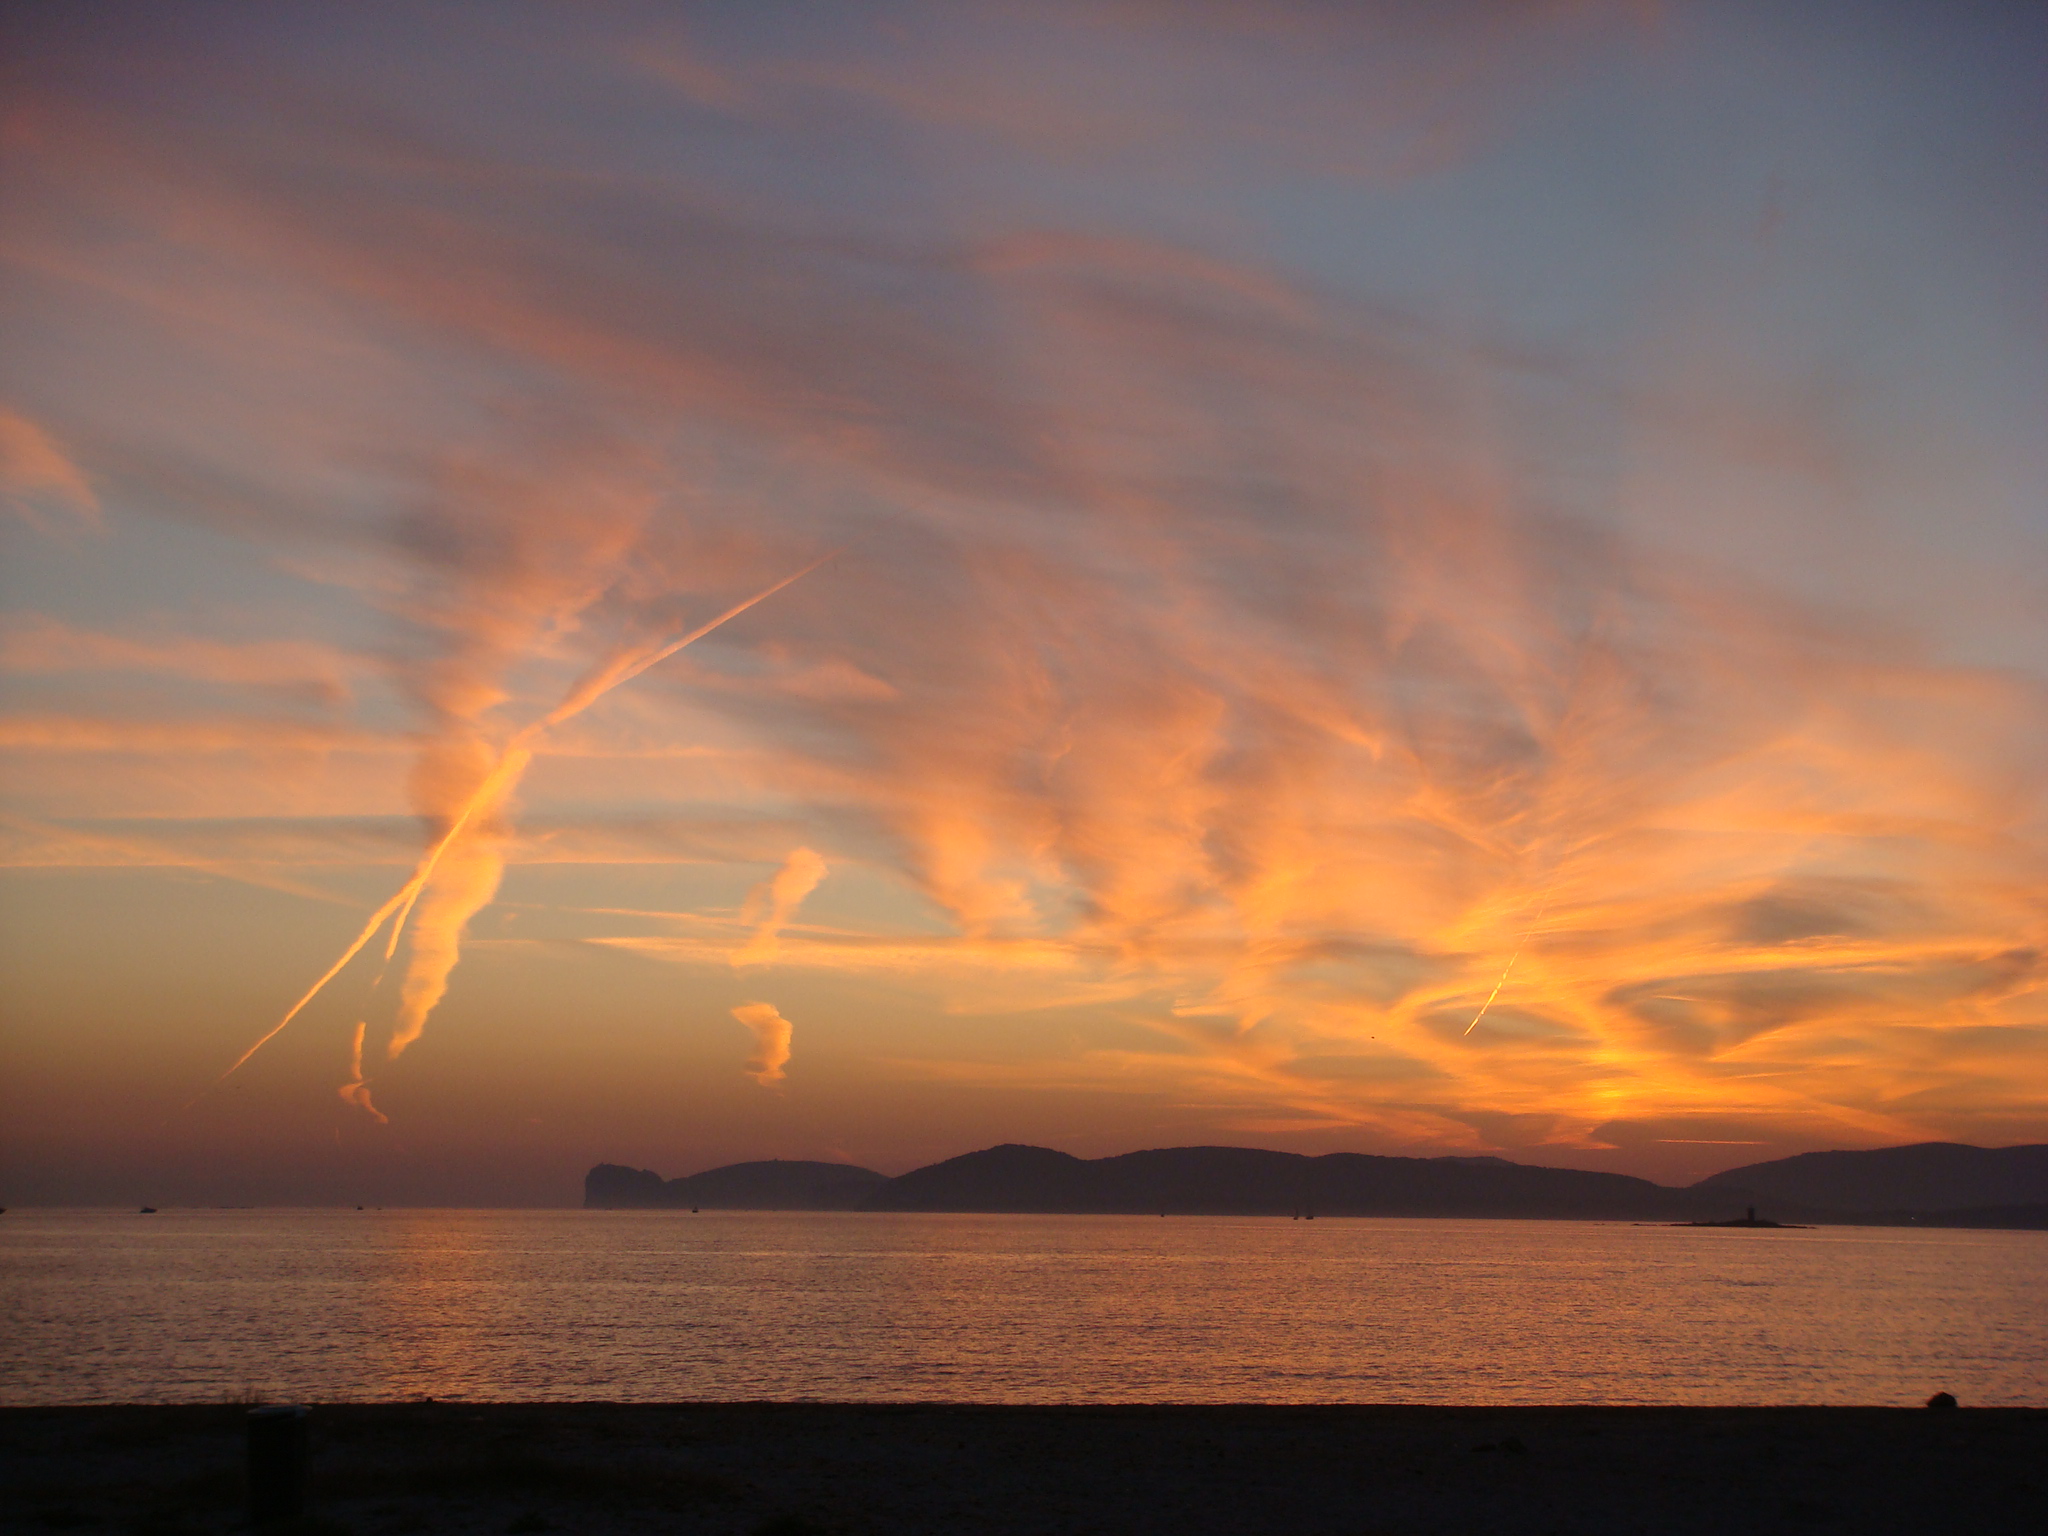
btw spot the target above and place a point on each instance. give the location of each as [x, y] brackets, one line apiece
[1937, 1184]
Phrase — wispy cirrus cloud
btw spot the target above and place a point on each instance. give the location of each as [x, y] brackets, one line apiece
[1259, 663]
[39, 646]
[39, 480]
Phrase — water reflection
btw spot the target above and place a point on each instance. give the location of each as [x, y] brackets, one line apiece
[651, 1306]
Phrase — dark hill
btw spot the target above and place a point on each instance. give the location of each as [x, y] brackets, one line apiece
[1933, 1176]
[769, 1186]
[1004, 1178]
[1246, 1181]
[613, 1187]
[1937, 1184]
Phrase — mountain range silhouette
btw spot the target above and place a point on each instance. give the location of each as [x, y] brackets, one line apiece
[1932, 1184]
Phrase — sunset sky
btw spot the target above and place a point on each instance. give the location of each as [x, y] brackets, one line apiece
[1467, 578]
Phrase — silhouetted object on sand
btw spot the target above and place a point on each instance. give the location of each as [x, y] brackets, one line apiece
[1941, 1402]
[277, 1464]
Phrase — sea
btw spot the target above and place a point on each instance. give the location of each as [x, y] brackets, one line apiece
[668, 1306]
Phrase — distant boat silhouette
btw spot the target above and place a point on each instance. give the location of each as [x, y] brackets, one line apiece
[147, 1210]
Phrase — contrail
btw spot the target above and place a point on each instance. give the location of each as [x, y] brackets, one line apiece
[503, 777]
[1509, 970]
[501, 780]
[356, 1091]
[376, 922]
[623, 669]
[400, 902]
[437, 936]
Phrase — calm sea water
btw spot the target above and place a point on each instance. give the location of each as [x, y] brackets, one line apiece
[665, 1306]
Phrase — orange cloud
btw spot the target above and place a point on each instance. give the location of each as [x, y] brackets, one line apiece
[771, 1042]
[774, 902]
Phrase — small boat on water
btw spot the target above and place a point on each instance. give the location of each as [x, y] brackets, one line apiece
[148, 1210]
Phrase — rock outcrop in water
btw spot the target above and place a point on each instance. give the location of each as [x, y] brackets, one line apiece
[1930, 1186]
[769, 1186]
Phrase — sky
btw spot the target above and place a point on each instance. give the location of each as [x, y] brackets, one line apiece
[679, 583]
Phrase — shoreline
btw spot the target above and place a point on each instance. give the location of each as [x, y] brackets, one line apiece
[783, 1469]
[2031, 1219]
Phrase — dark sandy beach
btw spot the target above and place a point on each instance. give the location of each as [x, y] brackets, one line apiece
[792, 1468]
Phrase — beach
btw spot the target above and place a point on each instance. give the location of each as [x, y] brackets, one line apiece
[782, 1469]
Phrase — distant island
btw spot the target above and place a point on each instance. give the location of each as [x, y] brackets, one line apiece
[1935, 1184]
[1749, 1220]
[771, 1186]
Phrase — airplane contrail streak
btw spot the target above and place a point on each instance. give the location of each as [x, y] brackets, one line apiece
[594, 685]
[1509, 969]
[376, 922]
[500, 781]
[1496, 989]
[623, 669]
[504, 774]
[400, 902]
